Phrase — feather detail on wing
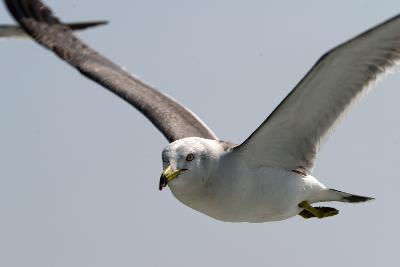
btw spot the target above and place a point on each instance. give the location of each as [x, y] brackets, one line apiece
[13, 31]
[171, 118]
[290, 137]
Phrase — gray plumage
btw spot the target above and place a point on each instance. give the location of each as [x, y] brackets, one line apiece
[12, 31]
[291, 136]
[171, 118]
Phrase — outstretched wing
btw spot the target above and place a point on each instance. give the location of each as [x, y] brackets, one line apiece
[171, 118]
[16, 31]
[290, 137]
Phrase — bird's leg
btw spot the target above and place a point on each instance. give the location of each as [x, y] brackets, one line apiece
[306, 214]
[319, 212]
[310, 211]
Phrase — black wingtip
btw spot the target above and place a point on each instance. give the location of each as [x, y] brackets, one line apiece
[37, 10]
[84, 25]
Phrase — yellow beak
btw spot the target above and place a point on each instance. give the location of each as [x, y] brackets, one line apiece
[167, 176]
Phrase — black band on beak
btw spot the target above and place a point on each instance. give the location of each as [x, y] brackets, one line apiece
[163, 182]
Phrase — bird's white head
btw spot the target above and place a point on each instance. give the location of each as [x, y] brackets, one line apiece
[188, 163]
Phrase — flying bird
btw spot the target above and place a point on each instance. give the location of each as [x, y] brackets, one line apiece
[268, 176]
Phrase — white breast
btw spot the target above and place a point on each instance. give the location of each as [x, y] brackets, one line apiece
[236, 193]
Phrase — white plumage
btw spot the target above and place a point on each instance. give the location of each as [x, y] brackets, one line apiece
[267, 177]
[219, 183]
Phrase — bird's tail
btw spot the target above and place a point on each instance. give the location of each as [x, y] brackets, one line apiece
[346, 197]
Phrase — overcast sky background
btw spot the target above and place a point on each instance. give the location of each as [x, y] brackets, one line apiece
[79, 167]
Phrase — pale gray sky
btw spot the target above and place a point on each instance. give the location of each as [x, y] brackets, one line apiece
[79, 167]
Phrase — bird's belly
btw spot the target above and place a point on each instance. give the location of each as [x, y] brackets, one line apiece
[258, 195]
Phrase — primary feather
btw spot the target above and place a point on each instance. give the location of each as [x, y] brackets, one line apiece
[290, 137]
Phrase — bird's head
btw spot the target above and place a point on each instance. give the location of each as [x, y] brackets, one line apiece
[188, 163]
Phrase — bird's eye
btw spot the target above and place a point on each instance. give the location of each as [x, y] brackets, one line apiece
[190, 157]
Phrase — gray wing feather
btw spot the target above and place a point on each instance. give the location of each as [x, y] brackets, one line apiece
[291, 135]
[171, 118]
[16, 31]
[12, 31]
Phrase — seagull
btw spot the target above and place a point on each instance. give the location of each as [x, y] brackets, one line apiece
[268, 177]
